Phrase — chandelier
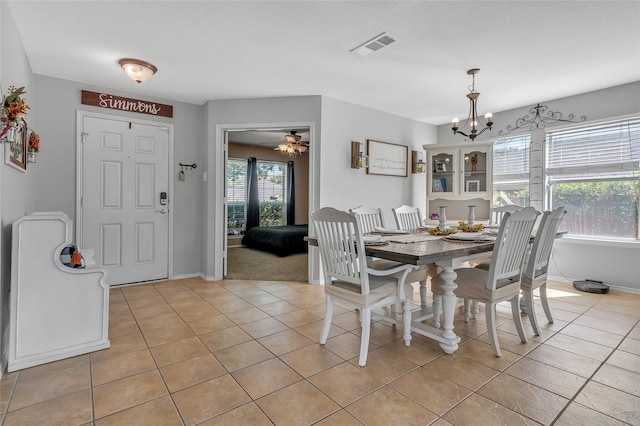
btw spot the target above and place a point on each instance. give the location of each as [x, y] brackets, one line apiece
[292, 145]
[472, 119]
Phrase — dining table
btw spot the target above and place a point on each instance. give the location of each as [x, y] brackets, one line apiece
[421, 249]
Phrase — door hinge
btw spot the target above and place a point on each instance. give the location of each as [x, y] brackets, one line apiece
[164, 129]
[82, 136]
[81, 201]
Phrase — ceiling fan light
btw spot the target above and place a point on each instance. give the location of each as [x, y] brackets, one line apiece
[283, 147]
[137, 70]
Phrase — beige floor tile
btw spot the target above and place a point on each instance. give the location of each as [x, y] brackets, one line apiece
[346, 345]
[139, 292]
[547, 377]
[121, 366]
[209, 324]
[247, 414]
[262, 299]
[347, 321]
[297, 318]
[50, 383]
[342, 418]
[618, 378]
[72, 409]
[247, 315]
[577, 414]
[191, 372]
[635, 333]
[313, 330]
[161, 336]
[483, 352]
[125, 393]
[232, 306]
[170, 319]
[345, 383]
[625, 360]
[242, 355]
[265, 377]
[511, 342]
[465, 371]
[385, 365]
[151, 311]
[565, 360]
[297, 404]
[278, 308]
[6, 389]
[590, 334]
[119, 346]
[179, 350]
[225, 338]
[579, 346]
[612, 402]
[193, 310]
[209, 399]
[143, 302]
[311, 360]
[122, 325]
[599, 320]
[158, 412]
[264, 327]
[306, 301]
[524, 398]
[388, 406]
[630, 345]
[433, 391]
[285, 341]
[478, 410]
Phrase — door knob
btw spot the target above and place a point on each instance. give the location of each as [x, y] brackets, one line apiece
[163, 211]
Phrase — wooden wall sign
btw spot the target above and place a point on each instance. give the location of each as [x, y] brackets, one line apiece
[105, 100]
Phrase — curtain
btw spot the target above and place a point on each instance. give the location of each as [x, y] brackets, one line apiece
[253, 203]
[291, 196]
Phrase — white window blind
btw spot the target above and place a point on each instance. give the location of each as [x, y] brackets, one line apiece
[511, 159]
[611, 147]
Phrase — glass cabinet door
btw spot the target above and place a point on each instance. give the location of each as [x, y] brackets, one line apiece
[474, 166]
[442, 173]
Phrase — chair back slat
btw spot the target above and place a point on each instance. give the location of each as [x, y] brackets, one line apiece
[369, 218]
[511, 244]
[497, 213]
[543, 243]
[407, 218]
[341, 247]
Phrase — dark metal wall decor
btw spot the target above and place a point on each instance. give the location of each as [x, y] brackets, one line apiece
[538, 118]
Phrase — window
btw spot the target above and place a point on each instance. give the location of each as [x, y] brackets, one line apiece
[236, 196]
[271, 191]
[511, 171]
[594, 171]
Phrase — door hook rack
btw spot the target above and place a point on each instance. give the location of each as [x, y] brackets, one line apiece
[182, 167]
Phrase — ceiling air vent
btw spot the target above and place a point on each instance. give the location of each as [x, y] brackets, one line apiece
[375, 44]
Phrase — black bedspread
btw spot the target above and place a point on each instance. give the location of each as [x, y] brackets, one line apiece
[279, 240]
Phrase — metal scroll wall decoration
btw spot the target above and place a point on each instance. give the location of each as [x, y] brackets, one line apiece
[538, 118]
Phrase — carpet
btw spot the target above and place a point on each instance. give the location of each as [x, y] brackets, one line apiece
[249, 264]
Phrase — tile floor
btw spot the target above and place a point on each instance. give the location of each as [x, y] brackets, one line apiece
[189, 352]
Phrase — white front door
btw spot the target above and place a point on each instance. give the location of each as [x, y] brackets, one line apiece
[124, 204]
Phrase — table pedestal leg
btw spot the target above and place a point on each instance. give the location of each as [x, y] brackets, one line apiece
[448, 309]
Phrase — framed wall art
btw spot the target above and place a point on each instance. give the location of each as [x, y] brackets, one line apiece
[15, 153]
[387, 158]
[473, 186]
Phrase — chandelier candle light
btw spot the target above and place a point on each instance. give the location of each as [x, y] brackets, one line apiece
[473, 111]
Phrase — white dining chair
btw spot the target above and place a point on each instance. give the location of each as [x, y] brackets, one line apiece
[407, 217]
[497, 213]
[502, 281]
[534, 274]
[370, 218]
[349, 280]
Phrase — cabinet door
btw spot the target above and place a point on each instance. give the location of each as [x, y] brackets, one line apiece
[475, 170]
[443, 174]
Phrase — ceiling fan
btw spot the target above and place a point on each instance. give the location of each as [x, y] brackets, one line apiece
[293, 145]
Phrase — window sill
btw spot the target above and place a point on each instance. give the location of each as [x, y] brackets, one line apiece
[600, 242]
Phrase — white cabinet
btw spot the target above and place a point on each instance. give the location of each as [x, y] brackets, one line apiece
[56, 311]
[459, 176]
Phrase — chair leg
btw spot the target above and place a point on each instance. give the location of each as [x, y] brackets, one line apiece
[406, 322]
[528, 303]
[474, 309]
[364, 339]
[437, 309]
[515, 312]
[490, 315]
[545, 302]
[423, 293]
[467, 310]
[327, 320]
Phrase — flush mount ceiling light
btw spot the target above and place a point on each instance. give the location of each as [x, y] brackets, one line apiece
[137, 70]
[473, 111]
[373, 45]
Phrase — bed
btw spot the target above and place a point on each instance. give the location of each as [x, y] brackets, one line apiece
[279, 240]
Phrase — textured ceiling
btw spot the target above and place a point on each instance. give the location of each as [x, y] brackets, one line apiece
[528, 51]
